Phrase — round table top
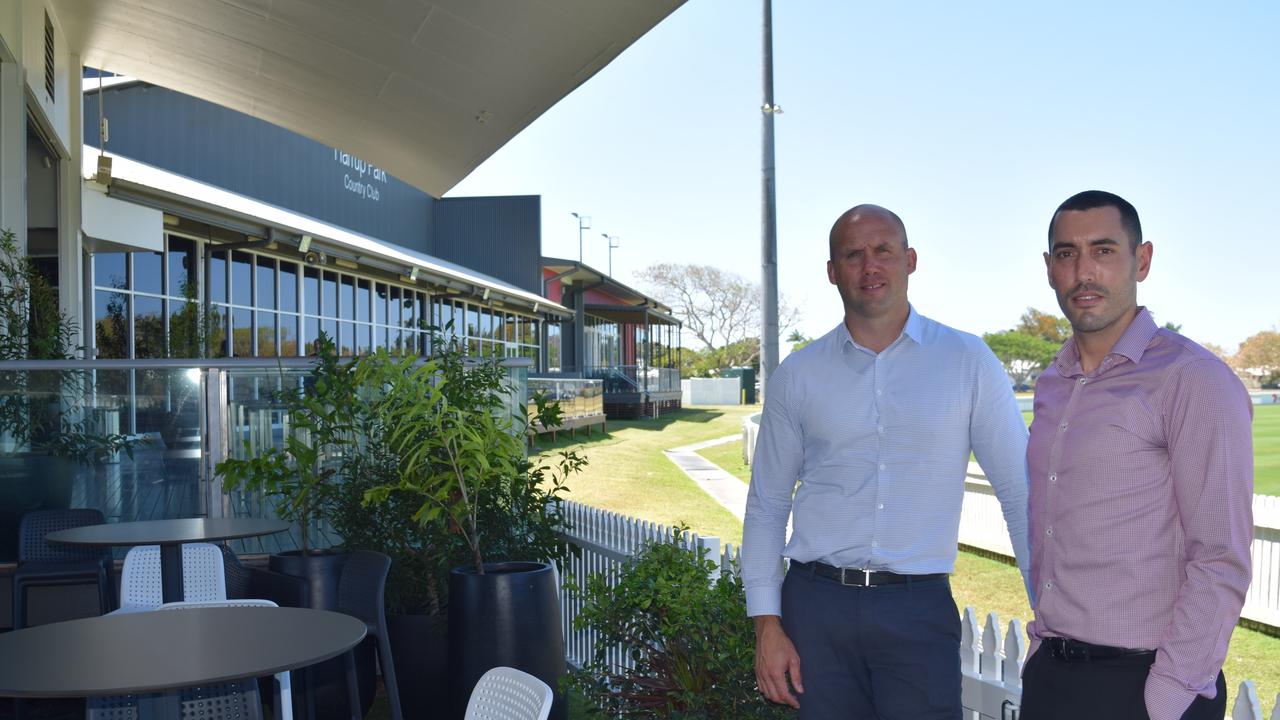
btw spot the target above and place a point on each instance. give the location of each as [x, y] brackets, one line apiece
[165, 649]
[166, 532]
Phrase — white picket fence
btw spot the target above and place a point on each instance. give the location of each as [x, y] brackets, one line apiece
[982, 526]
[990, 657]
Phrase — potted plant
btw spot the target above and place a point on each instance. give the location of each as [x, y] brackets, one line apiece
[298, 478]
[492, 512]
[43, 425]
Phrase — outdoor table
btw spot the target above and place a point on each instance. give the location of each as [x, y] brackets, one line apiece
[170, 535]
[150, 652]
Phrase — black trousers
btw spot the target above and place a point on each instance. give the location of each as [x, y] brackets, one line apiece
[883, 653]
[1054, 689]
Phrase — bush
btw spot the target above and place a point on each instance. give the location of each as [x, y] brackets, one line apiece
[690, 638]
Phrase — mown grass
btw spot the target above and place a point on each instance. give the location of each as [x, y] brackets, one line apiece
[1266, 450]
[627, 472]
[729, 457]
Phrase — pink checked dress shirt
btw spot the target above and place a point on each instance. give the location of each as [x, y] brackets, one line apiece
[1141, 506]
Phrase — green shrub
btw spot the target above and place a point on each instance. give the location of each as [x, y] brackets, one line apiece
[690, 639]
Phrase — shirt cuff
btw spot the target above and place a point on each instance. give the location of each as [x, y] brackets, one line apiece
[1168, 700]
[765, 600]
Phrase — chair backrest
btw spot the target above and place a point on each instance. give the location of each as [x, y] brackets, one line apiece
[32, 547]
[362, 586]
[505, 693]
[202, 575]
[235, 700]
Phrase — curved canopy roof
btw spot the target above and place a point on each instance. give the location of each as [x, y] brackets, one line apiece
[424, 89]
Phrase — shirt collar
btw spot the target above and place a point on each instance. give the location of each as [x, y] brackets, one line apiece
[914, 329]
[1131, 345]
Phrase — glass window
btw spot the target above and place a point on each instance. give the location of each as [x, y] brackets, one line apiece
[424, 311]
[148, 272]
[218, 331]
[217, 279]
[241, 278]
[473, 323]
[311, 292]
[241, 332]
[148, 326]
[362, 300]
[380, 336]
[408, 305]
[394, 341]
[311, 333]
[347, 298]
[111, 328]
[184, 329]
[266, 284]
[266, 334]
[393, 307]
[380, 304]
[288, 335]
[497, 325]
[364, 338]
[182, 268]
[330, 328]
[288, 286]
[109, 270]
[329, 296]
[348, 344]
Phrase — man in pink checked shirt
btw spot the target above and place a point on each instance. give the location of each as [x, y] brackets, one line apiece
[1141, 466]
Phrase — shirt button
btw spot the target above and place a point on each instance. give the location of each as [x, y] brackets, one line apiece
[881, 466]
[879, 392]
[1048, 531]
[880, 506]
[1048, 585]
[880, 429]
[1083, 381]
[875, 543]
[1063, 427]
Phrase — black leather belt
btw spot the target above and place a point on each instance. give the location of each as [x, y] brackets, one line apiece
[1068, 650]
[859, 576]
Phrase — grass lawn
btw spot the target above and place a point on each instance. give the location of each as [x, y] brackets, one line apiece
[729, 457]
[627, 472]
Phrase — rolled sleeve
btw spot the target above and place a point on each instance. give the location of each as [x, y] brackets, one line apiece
[776, 466]
[1208, 419]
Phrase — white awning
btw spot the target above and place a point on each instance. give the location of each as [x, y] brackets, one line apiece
[162, 184]
[111, 225]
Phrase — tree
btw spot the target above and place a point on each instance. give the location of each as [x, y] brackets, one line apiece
[1021, 354]
[798, 340]
[1260, 352]
[1172, 327]
[1054, 328]
[719, 308]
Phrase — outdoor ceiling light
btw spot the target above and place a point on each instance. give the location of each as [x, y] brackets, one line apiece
[413, 274]
[304, 244]
[485, 297]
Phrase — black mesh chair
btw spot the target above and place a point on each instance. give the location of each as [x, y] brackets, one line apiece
[43, 564]
[244, 582]
[236, 700]
[361, 594]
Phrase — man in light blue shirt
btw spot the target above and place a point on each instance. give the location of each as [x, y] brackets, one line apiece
[864, 442]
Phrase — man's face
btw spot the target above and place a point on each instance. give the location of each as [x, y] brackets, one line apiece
[869, 265]
[1093, 269]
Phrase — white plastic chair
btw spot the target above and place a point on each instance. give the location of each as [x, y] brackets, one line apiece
[203, 577]
[505, 693]
[284, 687]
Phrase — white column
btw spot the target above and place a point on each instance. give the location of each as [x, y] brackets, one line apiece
[13, 151]
[70, 254]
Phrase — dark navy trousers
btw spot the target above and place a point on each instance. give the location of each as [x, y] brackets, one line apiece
[890, 652]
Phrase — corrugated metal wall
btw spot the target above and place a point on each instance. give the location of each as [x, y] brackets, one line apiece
[498, 236]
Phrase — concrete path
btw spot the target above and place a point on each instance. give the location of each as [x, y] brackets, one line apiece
[727, 489]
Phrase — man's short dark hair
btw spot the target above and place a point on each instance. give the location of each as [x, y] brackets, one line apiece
[1093, 199]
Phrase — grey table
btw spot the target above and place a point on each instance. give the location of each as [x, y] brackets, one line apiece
[170, 535]
[150, 652]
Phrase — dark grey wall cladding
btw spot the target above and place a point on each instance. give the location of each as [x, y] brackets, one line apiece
[499, 236]
[251, 157]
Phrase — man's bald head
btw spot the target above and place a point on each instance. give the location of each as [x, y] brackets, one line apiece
[854, 215]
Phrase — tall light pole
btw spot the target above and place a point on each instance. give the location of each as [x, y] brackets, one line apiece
[769, 217]
[584, 223]
[612, 246]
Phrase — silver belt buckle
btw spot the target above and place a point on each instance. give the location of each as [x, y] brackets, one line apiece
[866, 577]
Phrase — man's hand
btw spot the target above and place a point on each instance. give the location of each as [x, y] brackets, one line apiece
[775, 659]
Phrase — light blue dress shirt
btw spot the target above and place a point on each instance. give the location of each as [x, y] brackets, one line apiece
[874, 449]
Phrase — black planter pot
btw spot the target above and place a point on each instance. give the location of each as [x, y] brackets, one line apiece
[419, 646]
[508, 616]
[322, 571]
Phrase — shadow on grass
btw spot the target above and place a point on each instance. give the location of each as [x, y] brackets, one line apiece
[565, 439]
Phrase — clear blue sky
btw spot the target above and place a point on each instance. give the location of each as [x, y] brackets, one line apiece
[971, 120]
